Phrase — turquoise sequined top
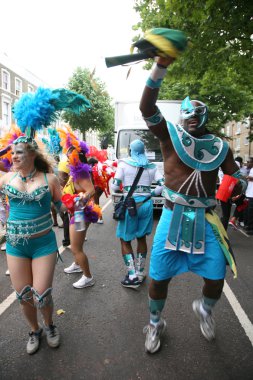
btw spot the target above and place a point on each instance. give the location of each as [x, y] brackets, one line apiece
[30, 213]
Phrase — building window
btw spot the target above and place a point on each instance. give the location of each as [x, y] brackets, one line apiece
[18, 86]
[228, 130]
[5, 80]
[237, 144]
[30, 88]
[246, 122]
[246, 140]
[6, 107]
[238, 128]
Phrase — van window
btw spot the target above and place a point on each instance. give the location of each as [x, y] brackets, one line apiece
[151, 142]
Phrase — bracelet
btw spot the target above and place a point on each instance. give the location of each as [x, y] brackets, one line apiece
[156, 76]
[154, 119]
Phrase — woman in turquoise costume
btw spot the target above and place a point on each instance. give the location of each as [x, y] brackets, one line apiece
[30, 187]
[140, 225]
[189, 236]
[31, 244]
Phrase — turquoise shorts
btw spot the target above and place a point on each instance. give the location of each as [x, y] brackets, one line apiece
[165, 263]
[34, 248]
[138, 226]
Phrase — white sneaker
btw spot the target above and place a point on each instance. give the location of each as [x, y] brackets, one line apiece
[141, 276]
[7, 273]
[3, 247]
[53, 336]
[153, 335]
[84, 282]
[34, 341]
[100, 221]
[73, 268]
[207, 324]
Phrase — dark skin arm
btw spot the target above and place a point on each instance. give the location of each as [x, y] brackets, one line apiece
[63, 178]
[148, 104]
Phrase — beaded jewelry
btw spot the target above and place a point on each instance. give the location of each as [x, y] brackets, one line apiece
[28, 177]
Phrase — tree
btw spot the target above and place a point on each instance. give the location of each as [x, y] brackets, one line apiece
[101, 115]
[217, 68]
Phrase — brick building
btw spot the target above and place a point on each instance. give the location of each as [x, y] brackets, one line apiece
[14, 80]
[238, 132]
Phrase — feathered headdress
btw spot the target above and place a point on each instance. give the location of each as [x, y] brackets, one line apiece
[53, 143]
[5, 145]
[33, 111]
[73, 147]
[100, 155]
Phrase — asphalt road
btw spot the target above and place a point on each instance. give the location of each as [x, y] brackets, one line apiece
[102, 326]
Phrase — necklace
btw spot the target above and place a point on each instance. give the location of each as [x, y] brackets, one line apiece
[29, 176]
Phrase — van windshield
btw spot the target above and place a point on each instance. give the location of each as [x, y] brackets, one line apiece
[151, 142]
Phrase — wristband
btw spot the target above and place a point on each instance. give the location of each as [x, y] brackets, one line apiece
[156, 76]
[154, 119]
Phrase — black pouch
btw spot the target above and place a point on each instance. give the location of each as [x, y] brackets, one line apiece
[131, 207]
[120, 210]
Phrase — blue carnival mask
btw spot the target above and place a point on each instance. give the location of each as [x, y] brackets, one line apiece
[188, 110]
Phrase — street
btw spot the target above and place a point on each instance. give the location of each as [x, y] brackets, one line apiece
[101, 327]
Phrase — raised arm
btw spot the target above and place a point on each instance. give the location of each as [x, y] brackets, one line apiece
[150, 112]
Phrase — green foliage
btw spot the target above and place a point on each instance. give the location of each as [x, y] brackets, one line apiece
[101, 116]
[217, 68]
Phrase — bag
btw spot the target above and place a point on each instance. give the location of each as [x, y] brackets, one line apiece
[128, 202]
[131, 207]
[120, 210]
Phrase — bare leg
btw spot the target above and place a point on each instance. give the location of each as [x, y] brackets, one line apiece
[43, 272]
[126, 247]
[142, 245]
[21, 276]
[158, 289]
[213, 288]
[97, 195]
[77, 240]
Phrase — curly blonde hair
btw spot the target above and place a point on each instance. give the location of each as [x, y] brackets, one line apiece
[42, 162]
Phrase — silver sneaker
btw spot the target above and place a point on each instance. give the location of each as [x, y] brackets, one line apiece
[33, 342]
[84, 282]
[153, 334]
[53, 336]
[207, 324]
[73, 268]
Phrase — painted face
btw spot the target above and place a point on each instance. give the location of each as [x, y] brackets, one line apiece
[194, 115]
[20, 155]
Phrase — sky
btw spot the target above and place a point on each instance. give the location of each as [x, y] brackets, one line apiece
[51, 38]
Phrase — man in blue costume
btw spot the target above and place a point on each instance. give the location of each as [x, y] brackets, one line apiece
[140, 225]
[189, 236]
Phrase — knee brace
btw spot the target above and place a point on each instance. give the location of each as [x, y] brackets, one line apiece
[42, 300]
[25, 295]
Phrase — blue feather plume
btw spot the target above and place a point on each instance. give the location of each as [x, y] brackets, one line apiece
[34, 111]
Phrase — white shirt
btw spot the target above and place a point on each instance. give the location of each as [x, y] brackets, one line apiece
[126, 174]
[249, 190]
